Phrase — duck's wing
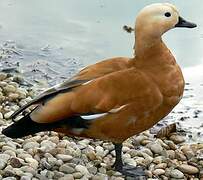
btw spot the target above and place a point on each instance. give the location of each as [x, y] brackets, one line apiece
[101, 95]
[91, 72]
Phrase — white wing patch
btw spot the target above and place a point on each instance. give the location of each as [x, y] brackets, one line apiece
[96, 116]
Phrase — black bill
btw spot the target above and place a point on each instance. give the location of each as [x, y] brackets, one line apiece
[183, 23]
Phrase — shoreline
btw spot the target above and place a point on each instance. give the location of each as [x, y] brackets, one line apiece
[49, 155]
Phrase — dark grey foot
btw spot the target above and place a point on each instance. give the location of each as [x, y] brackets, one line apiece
[131, 172]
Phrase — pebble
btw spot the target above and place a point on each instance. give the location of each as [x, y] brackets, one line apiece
[3, 76]
[161, 166]
[67, 177]
[155, 148]
[2, 164]
[177, 139]
[32, 162]
[30, 145]
[77, 175]
[47, 146]
[158, 172]
[99, 151]
[82, 169]
[64, 157]
[9, 88]
[25, 178]
[66, 169]
[176, 174]
[8, 114]
[15, 162]
[188, 169]
[4, 157]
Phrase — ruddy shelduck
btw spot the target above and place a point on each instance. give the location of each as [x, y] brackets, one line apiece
[116, 98]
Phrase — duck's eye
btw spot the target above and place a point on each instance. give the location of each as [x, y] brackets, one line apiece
[168, 14]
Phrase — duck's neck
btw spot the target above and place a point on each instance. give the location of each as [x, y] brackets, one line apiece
[148, 48]
[144, 43]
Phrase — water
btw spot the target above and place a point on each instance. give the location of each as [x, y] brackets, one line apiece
[91, 30]
[59, 37]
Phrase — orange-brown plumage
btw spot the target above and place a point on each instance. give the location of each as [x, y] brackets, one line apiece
[123, 96]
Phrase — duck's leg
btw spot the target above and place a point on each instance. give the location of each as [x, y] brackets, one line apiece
[118, 164]
[127, 170]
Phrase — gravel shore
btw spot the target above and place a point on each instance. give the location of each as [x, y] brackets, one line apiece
[50, 155]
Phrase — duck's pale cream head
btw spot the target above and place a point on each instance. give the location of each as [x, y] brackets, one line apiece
[158, 18]
[154, 20]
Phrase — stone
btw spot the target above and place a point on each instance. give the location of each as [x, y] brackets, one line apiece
[3, 76]
[4, 157]
[177, 139]
[175, 173]
[82, 169]
[99, 151]
[1, 116]
[170, 154]
[13, 96]
[15, 162]
[9, 88]
[77, 175]
[158, 172]
[10, 152]
[67, 177]
[25, 178]
[30, 145]
[47, 145]
[66, 169]
[9, 178]
[188, 169]
[32, 162]
[64, 157]
[8, 114]
[2, 164]
[180, 156]
[155, 148]
[161, 166]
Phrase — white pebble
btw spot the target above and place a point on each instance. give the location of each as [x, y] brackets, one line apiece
[176, 174]
[64, 157]
[82, 169]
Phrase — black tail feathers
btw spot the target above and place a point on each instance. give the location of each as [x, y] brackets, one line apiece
[25, 127]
